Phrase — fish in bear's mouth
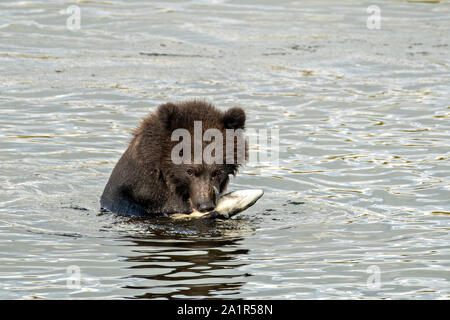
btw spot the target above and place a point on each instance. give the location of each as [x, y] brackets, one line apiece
[227, 205]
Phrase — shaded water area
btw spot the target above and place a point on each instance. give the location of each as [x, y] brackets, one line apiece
[361, 191]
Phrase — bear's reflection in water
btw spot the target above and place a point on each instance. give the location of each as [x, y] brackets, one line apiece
[193, 259]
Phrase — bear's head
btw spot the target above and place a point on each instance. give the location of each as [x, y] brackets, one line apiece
[204, 146]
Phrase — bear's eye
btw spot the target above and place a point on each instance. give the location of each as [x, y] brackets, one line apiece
[189, 172]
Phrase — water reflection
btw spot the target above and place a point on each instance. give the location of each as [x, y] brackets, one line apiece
[197, 259]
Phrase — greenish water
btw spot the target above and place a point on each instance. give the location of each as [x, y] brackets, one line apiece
[361, 188]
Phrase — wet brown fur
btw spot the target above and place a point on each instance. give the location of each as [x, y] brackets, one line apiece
[145, 181]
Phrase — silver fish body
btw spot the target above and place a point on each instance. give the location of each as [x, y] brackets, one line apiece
[228, 205]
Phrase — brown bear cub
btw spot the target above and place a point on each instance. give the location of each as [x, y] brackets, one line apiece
[155, 177]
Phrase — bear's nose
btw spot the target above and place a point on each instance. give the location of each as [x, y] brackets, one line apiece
[206, 206]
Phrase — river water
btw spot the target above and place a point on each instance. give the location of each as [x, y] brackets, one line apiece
[358, 205]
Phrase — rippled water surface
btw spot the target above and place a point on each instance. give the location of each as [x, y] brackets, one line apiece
[361, 191]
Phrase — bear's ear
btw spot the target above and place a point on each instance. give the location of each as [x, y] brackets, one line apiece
[234, 118]
[166, 114]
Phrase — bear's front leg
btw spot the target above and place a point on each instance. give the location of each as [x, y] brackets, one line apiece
[121, 204]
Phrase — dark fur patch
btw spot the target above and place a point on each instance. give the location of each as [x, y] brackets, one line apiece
[145, 177]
